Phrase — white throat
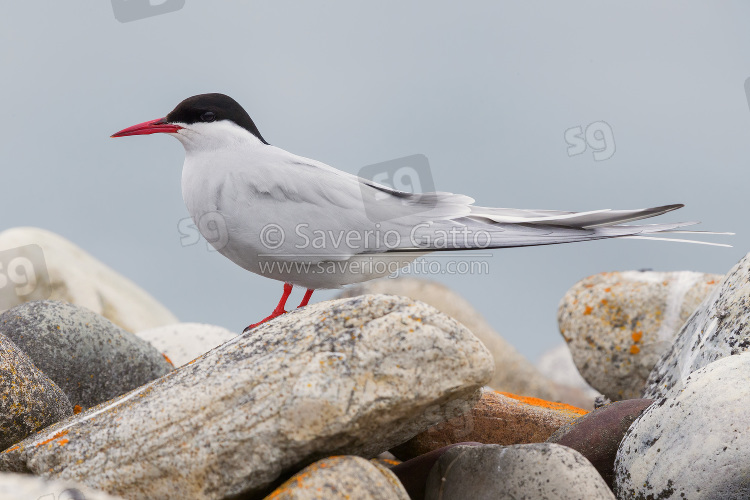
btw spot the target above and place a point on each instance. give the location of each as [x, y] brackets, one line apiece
[224, 135]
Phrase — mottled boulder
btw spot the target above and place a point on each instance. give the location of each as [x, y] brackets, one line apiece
[693, 443]
[497, 418]
[67, 273]
[346, 377]
[342, 478]
[513, 372]
[30, 401]
[597, 435]
[618, 324]
[90, 358]
[183, 342]
[719, 327]
[518, 472]
[27, 487]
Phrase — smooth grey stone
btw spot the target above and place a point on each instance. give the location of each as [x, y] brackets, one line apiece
[536, 471]
[91, 359]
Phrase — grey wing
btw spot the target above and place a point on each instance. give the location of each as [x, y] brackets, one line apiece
[332, 201]
[326, 214]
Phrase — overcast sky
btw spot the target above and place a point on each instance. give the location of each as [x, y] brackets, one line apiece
[486, 90]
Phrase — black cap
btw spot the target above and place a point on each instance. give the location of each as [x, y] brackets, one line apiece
[213, 107]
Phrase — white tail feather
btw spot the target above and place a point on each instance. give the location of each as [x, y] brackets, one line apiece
[679, 240]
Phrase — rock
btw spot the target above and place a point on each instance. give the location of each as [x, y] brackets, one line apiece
[67, 273]
[387, 455]
[342, 478]
[557, 364]
[524, 471]
[618, 324]
[597, 435]
[695, 442]
[497, 418]
[183, 342]
[30, 401]
[346, 377]
[601, 401]
[413, 473]
[718, 328]
[26, 487]
[91, 359]
[388, 461]
[513, 372]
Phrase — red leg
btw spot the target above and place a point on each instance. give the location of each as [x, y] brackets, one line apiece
[279, 308]
[306, 298]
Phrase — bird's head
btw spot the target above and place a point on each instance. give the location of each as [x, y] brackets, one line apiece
[201, 120]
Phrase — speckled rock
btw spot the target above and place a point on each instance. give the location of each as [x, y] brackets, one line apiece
[354, 376]
[91, 359]
[695, 442]
[718, 328]
[74, 276]
[342, 478]
[30, 401]
[497, 418]
[183, 342]
[513, 372]
[27, 487]
[618, 324]
[597, 435]
[519, 472]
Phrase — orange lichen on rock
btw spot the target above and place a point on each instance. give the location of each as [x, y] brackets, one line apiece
[63, 442]
[167, 358]
[588, 310]
[59, 434]
[341, 477]
[637, 336]
[12, 449]
[497, 418]
[77, 409]
[298, 480]
[604, 302]
[634, 349]
[391, 461]
[544, 403]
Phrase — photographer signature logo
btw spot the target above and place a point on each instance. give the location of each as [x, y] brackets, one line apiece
[134, 10]
[597, 135]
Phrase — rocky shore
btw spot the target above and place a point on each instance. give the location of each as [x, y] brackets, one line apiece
[398, 389]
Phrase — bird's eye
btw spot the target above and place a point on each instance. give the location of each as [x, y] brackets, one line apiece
[208, 116]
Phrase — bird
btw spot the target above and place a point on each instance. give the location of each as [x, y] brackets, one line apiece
[307, 224]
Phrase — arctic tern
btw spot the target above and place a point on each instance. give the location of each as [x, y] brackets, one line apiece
[305, 223]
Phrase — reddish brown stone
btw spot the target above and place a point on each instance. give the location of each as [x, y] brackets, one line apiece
[498, 418]
[597, 435]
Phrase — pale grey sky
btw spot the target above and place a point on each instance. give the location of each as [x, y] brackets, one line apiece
[484, 89]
